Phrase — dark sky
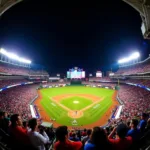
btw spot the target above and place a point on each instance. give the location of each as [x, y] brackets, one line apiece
[92, 36]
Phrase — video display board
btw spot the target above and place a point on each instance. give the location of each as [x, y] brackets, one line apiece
[76, 74]
[98, 74]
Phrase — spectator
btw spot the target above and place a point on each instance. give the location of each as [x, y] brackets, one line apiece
[121, 142]
[148, 125]
[143, 122]
[24, 123]
[71, 132]
[79, 134]
[134, 132]
[74, 137]
[38, 140]
[50, 132]
[63, 143]
[4, 122]
[98, 140]
[107, 130]
[86, 138]
[19, 135]
[84, 133]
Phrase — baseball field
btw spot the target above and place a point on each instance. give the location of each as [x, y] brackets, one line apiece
[76, 106]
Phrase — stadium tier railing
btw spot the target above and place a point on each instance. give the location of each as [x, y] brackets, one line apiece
[119, 100]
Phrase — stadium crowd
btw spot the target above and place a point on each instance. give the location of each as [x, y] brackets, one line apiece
[16, 70]
[18, 134]
[17, 99]
[134, 69]
[135, 100]
[4, 83]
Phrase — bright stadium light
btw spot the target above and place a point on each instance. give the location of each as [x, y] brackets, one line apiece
[133, 56]
[14, 56]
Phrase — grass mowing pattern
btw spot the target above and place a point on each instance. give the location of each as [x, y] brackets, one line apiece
[91, 115]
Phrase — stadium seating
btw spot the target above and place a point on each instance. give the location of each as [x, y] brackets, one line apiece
[4, 83]
[17, 99]
[141, 67]
[16, 70]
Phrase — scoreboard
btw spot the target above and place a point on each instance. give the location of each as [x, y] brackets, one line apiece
[99, 74]
[75, 73]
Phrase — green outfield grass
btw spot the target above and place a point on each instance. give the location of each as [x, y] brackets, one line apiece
[91, 115]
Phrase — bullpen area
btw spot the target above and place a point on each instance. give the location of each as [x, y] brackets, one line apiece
[76, 106]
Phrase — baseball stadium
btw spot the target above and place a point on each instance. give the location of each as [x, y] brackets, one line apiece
[76, 109]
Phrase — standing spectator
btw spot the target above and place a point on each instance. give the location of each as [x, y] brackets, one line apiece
[71, 132]
[19, 135]
[121, 142]
[63, 143]
[143, 122]
[86, 138]
[4, 122]
[134, 132]
[98, 140]
[38, 140]
[74, 137]
[84, 132]
[25, 126]
[148, 125]
[79, 134]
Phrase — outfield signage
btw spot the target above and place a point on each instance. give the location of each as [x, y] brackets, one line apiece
[20, 84]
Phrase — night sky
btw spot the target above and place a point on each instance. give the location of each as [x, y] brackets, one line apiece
[92, 36]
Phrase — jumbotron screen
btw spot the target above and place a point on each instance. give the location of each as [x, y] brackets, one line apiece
[76, 74]
[98, 74]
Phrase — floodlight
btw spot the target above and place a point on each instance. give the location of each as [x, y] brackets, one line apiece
[3, 51]
[130, 58]
[124, 60]
[135, 55]
[14, 56]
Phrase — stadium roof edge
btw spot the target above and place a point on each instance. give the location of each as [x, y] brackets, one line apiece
[6, 4]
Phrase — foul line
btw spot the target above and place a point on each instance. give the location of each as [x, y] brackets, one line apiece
[68, 109]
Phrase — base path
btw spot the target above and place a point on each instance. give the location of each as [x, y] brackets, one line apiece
[73, 113]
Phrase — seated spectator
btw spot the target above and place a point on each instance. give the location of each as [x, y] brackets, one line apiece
[134, 132]
[71, 132]
[19, 135]
[121, 142]
[143, 122]
[4, 121]
[84, 133]
[98, 140]
[74, 137]
[148, 125]
[38, 140]
[51, 134]
[24, 124]
[63, 143]
[79, 134]
[86, 138]
[107, 130]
